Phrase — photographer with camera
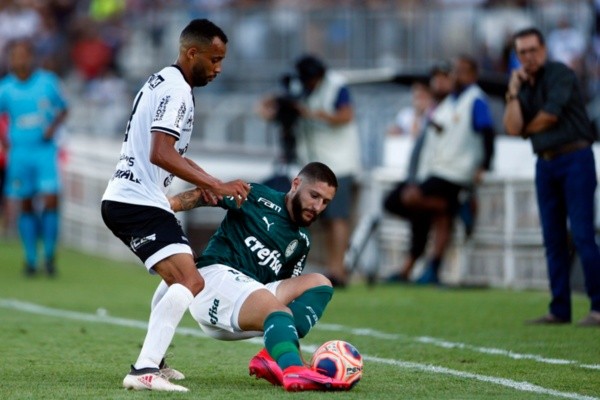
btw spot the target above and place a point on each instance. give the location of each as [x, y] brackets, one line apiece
[316, 113]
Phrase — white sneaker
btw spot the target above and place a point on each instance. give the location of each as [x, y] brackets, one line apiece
[150, 379]
[171, 373]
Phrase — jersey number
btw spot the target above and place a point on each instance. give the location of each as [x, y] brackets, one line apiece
[135, 106]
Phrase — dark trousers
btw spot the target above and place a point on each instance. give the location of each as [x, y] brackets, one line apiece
[565, 189]
[420, 222]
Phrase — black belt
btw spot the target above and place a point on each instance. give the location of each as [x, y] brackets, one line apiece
[564, 149]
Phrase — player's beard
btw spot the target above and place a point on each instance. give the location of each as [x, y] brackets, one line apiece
[297, 212]
[199, 76]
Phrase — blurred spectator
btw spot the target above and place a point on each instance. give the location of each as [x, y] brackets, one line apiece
[328, 133]
[17, 21]
[567, 44]
[103, 10]
[457, 148]
[440, 85]
[109, 96]
[36, 109]
[51, 43]
[90, 54]
[410, 120]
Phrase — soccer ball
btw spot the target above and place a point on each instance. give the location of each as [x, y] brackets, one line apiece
[338, 359]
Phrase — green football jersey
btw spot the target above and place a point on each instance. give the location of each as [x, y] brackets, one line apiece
[259, 238]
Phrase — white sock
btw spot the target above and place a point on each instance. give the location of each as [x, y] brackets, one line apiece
[164, 318]
[159, 293]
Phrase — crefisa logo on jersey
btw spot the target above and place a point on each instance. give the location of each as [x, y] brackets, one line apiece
[289, 250]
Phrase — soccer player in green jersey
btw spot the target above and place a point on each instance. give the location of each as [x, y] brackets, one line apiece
[252, 268]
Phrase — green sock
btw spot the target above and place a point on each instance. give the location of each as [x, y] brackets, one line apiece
[309, 307]
[281, 339]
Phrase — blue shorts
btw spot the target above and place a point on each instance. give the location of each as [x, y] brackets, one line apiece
[341, 205]
[32, 171]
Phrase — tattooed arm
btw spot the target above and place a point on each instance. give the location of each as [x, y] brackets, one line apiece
[192, 198]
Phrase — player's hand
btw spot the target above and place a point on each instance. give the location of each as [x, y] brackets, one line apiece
[207, 197]
[238, 189]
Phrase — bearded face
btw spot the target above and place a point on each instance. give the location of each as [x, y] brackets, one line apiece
[303, 216]
[307, 200]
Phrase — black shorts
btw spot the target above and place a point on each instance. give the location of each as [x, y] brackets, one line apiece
[438, 187]
[433, 186]
[152, 233]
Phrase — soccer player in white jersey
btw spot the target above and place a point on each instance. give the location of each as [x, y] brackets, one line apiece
[135, 207]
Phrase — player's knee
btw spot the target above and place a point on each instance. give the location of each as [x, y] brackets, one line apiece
[316, 279]
[195, 284]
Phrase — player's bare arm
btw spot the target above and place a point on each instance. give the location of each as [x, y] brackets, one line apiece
[189, 199]
[228, 188]
[164, 155]
[51, 130]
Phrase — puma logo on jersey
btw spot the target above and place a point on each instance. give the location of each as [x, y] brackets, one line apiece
[136, 243]
[267, 222]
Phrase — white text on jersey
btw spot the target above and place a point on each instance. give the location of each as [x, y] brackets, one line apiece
[269, 204]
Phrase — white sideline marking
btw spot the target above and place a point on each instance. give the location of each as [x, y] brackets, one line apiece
[454, 345]
[79, 316]
[522, 386]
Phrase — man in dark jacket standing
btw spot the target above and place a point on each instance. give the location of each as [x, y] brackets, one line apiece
[544, 104]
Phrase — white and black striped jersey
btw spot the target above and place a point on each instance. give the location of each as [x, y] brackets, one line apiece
[165, 104]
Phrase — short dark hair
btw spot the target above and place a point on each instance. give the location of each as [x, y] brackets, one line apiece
[442, 67]
[25, 42]
[203, 31]
[470, 61]
[527, 32]
[319, 172]
[309, 67]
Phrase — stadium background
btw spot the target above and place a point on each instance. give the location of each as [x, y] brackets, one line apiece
[104, 50]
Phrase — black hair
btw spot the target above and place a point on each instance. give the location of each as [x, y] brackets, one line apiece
[319, 172]
[203, 31]
[529, 31]
[470, 61]
[309, 67]
[19, 42]
[443, 67]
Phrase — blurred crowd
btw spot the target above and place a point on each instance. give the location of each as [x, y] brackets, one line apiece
[87, 38]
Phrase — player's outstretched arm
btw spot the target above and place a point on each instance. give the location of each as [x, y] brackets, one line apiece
[192, 198]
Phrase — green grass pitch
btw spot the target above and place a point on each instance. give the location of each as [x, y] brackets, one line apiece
[73, 337]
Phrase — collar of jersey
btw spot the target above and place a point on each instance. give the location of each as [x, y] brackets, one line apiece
[181, 71]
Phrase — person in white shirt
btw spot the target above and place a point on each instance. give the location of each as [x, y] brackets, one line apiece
[327, 132]
[135, 206]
